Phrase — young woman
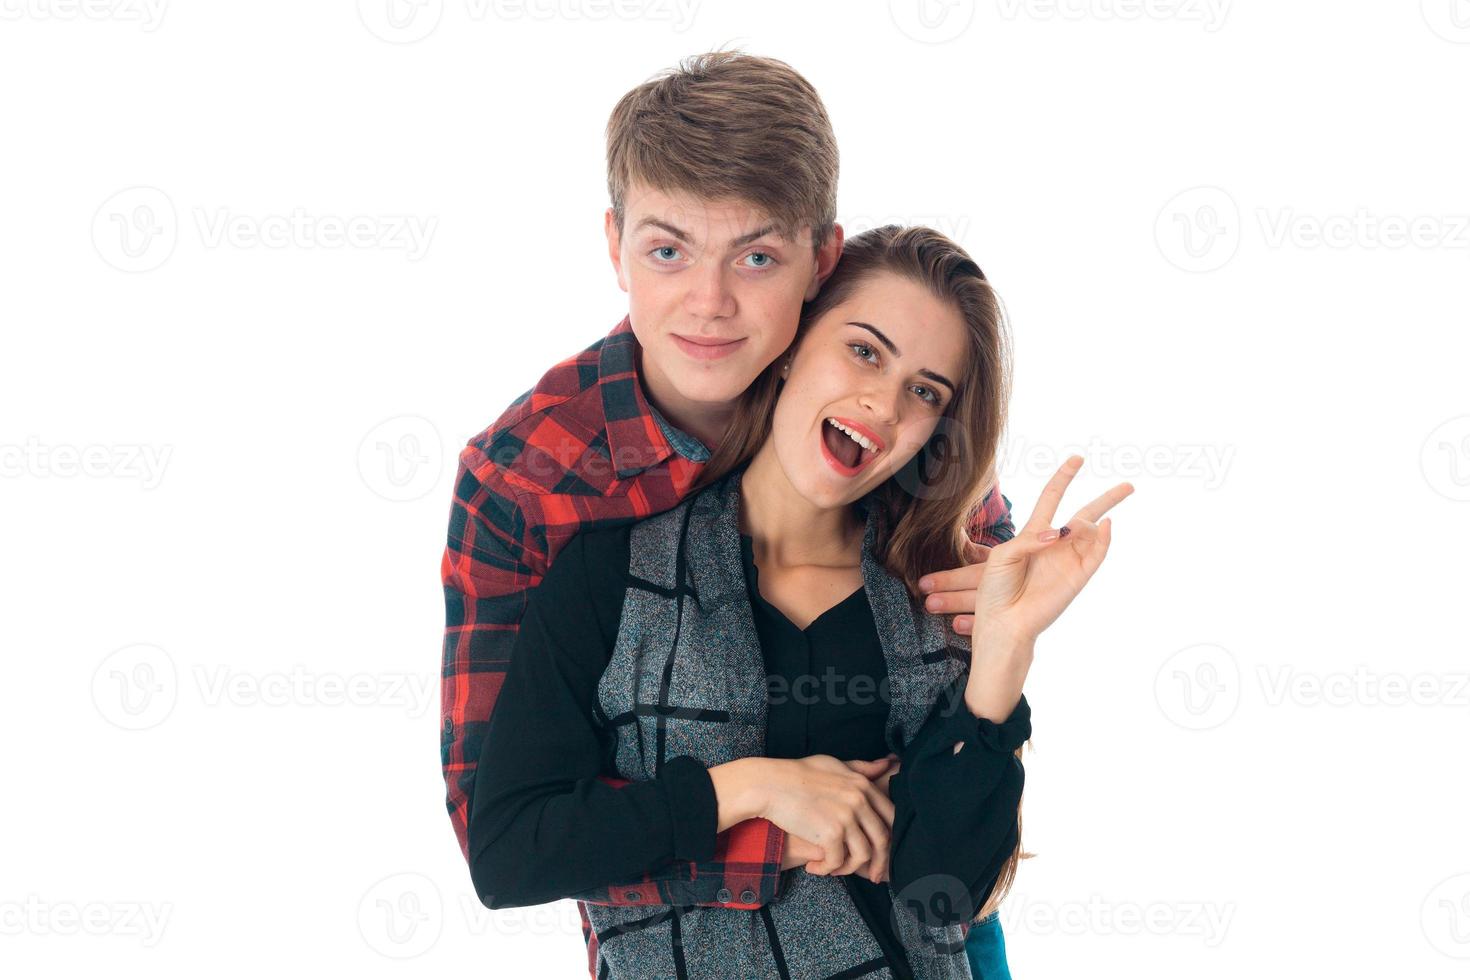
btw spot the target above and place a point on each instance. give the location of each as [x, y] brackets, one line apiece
[726, 657]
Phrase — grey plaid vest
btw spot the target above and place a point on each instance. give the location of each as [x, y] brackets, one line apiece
[688, 676]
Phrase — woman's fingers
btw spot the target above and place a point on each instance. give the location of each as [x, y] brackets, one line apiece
[1104, 503]
[1051, 495]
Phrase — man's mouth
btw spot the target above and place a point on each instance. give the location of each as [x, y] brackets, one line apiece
[847, 449]
[707, 348]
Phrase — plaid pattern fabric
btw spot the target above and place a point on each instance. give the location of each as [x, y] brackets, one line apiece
[582, 449]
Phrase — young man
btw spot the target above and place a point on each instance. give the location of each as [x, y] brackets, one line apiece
[722, 175]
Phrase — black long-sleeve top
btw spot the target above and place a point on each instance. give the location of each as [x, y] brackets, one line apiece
[543, 827]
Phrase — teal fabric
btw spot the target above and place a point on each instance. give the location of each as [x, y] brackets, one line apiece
[985, 947]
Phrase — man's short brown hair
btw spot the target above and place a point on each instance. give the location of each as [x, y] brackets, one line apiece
[727, 125]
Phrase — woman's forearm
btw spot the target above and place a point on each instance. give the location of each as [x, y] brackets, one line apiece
[998, 669]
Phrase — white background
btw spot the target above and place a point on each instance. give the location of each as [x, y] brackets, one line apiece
[227, 460]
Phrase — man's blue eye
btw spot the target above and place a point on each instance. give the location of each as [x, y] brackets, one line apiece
[662, 251]
[761, 255]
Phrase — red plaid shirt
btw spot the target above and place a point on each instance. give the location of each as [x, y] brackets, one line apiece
[582, 449]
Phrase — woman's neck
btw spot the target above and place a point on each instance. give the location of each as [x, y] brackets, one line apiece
[788, 529]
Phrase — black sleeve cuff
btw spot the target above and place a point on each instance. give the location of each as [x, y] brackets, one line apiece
[960, 725]
[693, 807]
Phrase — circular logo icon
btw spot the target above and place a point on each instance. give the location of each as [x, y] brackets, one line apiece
[400, 21]
[1199, 229]
[1445, 458]
[932, 21]
[135, 230]
[1445, 916]
[136, 687]
[1450, 19]
[401, 458]
[402, 916]
[1198, 687]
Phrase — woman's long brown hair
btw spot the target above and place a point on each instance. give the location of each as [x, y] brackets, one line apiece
[923, 508]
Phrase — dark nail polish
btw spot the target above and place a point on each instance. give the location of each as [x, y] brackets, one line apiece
[1065, 531]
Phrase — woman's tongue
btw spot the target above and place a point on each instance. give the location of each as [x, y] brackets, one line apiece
[846, 451]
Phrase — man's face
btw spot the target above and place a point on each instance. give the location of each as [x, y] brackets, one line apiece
[714, 293]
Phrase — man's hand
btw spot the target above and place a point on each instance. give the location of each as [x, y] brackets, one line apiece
[800, 851]
[954, 590]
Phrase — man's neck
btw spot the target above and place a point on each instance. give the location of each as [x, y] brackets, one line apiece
[705, 421]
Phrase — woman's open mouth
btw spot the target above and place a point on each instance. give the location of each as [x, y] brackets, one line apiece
[846, 449]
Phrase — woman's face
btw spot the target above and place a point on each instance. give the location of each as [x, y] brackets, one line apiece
[884, 364]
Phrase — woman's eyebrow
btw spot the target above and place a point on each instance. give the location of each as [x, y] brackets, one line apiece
[893, 348]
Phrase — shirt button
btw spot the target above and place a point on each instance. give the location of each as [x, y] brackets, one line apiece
[747, 896]
[632, 896]
[723, 895]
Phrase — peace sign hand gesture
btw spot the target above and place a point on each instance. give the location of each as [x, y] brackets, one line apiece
[1031, 578]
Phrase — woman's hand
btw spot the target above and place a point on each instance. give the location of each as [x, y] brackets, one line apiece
[834, 807]
[1031, 578]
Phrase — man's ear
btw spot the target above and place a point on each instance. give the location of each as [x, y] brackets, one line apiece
[827, 257]
[614, 246]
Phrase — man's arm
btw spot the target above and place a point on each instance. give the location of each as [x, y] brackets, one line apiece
[495, 555]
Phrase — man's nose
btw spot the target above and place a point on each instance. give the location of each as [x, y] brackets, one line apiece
[709, 296]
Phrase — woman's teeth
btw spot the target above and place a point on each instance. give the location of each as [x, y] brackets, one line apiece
[867, 444]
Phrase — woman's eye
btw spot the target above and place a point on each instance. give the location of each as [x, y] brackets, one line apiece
[862, 347]
[767, 260]
[928, 395]
[667, 253]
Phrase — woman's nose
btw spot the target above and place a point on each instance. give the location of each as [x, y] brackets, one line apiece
[882, 405]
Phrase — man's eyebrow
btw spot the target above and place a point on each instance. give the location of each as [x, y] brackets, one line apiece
[893, 348]
[683, 236]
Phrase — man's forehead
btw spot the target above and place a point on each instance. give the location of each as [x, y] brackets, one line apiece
[696, 219]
